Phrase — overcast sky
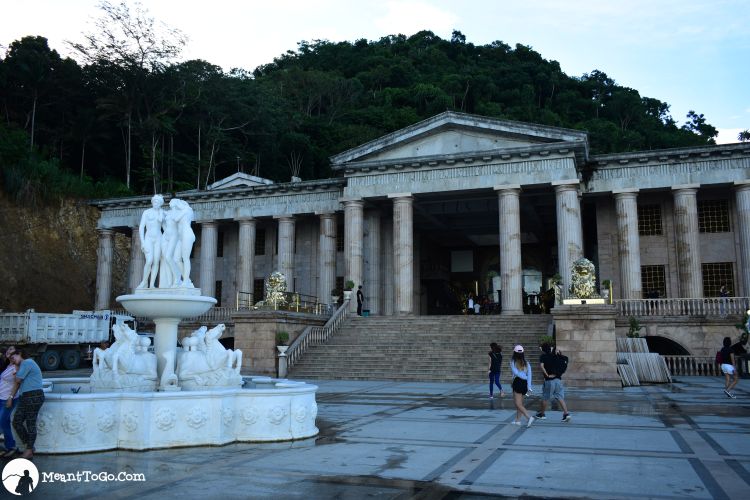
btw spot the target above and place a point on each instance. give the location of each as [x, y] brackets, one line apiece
[692, 54]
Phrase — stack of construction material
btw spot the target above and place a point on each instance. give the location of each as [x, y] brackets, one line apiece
[634, 359]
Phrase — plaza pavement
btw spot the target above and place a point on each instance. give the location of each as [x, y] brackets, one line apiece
[436, 440]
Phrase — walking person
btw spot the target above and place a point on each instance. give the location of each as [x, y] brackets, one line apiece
[360, 300]
[729, 367]
[496, 361]
[553, 366]
[28, 385]
[7, 381]
[521, 384]
[724, 294]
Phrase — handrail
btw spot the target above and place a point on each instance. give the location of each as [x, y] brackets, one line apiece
[709, 306]
[316, 334]
[692, 365]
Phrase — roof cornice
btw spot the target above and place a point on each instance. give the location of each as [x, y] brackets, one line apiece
[673, 155]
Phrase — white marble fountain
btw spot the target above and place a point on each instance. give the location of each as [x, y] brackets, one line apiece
[187, 396]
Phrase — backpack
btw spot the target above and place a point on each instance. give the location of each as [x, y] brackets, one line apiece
[719, 358]
[561, 364]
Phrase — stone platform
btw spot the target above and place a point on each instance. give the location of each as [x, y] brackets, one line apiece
[448, 440]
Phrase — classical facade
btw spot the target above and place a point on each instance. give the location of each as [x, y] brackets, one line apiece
[427, 213]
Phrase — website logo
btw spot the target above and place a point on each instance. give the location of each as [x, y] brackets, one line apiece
[20, 476]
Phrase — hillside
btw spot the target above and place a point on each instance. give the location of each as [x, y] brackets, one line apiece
[48, 256]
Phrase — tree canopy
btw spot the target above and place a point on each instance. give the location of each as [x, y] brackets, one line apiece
[128, 118]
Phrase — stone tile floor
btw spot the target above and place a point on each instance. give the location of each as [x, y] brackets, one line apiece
[434, 440]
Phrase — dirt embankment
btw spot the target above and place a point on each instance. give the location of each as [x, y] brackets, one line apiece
[48, 256]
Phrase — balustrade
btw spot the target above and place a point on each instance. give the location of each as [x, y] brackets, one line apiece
[713, 306]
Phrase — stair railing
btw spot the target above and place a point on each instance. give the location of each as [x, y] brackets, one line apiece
[313, 335]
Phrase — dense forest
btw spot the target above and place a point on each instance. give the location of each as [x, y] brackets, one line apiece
[127, 117]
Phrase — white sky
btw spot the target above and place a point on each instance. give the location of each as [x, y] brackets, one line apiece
[692, 54]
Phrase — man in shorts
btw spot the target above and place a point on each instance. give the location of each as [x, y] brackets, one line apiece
[553, 387]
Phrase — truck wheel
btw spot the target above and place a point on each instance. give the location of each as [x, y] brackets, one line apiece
[50, 360]
[71, 359]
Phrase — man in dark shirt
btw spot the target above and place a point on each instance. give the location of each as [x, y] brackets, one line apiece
[360, 299]
[552, 369]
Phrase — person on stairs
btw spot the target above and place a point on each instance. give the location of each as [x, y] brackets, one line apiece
[496, 361]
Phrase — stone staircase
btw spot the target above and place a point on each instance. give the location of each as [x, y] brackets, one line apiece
[423, 348]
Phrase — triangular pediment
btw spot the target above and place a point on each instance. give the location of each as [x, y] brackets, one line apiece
[453, 133]
[240, 179]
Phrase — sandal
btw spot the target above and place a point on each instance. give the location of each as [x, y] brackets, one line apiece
[28, 454]
[11, 453]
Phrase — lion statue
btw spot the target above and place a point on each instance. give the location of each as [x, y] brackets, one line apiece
[583, 279]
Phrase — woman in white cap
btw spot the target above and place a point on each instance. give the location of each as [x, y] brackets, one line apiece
[521, 384]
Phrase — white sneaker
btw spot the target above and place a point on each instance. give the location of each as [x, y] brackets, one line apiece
[531, 421]
[516, 422]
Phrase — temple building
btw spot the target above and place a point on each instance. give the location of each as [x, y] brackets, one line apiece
[459, 204]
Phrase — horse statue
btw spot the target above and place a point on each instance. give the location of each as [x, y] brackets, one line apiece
[126, 365]
[203, 362]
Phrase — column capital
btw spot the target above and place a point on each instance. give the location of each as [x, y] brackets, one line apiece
[244, 219]
[207, 222]
[399, 195]
[106, 231]
[742, 185]
[349, 199]
[566, 182]
[507, 187]
[284, 218]
[686, 187]
[625, 191]
[626, 194]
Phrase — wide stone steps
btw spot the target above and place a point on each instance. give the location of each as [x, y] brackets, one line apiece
[439, 348]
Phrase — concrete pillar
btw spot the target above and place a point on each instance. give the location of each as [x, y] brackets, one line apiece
[246, 256]
[403, 253]
[209, 242]
[510, 248]
[629, 244]
[686, 236]
[326, 257]
[137, 261]
[372, 262]
[742, 197]
[286, 250]
[569, 230]
[104, 269]
[387, 274]
[353, 236]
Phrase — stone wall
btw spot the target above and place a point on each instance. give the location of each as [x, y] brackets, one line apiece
[255, 334]
[586, 334]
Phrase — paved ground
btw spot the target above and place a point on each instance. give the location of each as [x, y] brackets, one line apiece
[430, 440]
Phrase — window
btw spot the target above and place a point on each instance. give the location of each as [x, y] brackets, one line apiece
[260, 242]
[653, 282]
[715, 275]
[220, 244]
[218, 294]
[649, 220]
[713, 216]
[340, 241]
[258, 291]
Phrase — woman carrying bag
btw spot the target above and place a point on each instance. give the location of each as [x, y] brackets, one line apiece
[521, 384]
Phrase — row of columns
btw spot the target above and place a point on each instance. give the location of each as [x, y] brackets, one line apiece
[398, 234]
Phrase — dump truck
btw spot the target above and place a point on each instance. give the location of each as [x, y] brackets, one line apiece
[59, 339]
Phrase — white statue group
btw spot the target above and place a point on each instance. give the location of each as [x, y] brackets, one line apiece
[167, 240]
[201, 363]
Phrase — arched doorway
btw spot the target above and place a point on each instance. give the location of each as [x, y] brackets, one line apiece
[665, 346]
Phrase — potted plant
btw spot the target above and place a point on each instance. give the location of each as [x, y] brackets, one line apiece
[606, 287]
[335, 296]
[282, 341]
[348, 287]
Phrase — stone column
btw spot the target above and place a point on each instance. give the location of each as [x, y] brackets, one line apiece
[353, 235]
[372, 265]
[326, 257]
[403, 252]
[104, 269]
[742, 197]
[246, 256]
[209, 242]
[629, 243]
[686, 236]
[387, 275]
[286, 250]
[510, 248]
[569, 230]
[137, 261]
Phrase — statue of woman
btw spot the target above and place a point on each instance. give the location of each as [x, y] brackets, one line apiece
[183, 215]
[170, 254]
[150, 232]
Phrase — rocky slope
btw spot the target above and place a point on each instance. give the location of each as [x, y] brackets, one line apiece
[48, 256]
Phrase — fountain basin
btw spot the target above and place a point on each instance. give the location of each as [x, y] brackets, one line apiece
[158, 304]
[72, 422]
